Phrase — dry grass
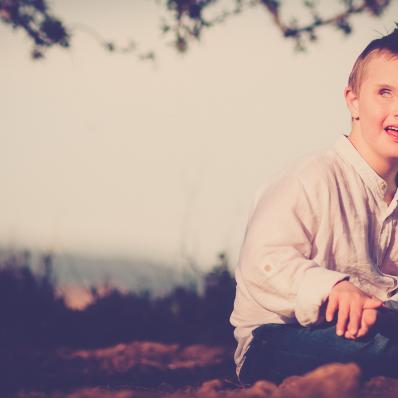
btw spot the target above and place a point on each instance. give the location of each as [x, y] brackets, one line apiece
[148, 369]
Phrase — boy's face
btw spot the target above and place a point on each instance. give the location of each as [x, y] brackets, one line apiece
[376, 105]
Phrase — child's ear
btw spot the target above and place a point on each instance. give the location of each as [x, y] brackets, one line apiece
[352, 102]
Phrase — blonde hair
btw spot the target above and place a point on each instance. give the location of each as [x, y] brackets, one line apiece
[386, 45]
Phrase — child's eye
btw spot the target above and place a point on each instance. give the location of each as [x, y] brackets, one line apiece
[385, 93]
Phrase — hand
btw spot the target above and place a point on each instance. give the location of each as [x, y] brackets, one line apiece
[369, 318]
[351, 303]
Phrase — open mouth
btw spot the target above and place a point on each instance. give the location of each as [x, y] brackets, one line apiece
[392, 130]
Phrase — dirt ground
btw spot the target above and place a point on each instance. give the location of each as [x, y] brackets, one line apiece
[149, 369]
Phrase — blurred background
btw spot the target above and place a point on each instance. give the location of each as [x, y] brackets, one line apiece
[125, 167]
[134, 135]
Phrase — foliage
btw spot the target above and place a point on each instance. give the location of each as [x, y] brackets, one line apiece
[29, 306]
[189, 17]
[35, 18]
[29, 302]
[187, 20]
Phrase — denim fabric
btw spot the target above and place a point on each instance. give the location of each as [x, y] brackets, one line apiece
[281, 350]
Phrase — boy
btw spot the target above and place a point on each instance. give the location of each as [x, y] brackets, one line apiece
[318, 267]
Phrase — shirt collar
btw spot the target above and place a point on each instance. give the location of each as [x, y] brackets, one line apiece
[349, 153]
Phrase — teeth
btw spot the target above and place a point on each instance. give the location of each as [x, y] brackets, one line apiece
[392, 128]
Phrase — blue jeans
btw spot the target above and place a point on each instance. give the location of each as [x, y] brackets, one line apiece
[278, 351]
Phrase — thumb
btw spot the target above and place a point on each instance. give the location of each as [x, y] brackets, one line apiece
[372, 303]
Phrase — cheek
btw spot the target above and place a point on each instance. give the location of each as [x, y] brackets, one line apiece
[372, 114]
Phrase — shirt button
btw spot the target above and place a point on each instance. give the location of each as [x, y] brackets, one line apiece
[383, 185]
[267, 268]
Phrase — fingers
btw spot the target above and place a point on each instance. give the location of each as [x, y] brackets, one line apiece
[342, 318]
[345, 312]
[363, 330]
[369, 315]
[362, 316]
[331, 308]
[355, 310]
[369, 318]
[355, 319]
[349, 336]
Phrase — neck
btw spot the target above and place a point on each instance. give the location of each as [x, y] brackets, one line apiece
[386, 168]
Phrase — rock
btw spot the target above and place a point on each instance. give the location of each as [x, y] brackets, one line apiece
[380, 386]
[262, 389]
[219, 389]
[210, 389]
[329, 381]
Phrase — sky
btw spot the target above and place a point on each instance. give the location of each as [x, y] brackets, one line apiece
[106, 155]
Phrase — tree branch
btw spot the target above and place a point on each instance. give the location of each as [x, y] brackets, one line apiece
[188, 19]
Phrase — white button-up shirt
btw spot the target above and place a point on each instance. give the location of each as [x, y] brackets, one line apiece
[322, 221]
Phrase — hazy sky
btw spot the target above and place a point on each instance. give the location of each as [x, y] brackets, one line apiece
[101, 153]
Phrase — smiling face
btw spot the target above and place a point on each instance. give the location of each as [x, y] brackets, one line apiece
[375, 134]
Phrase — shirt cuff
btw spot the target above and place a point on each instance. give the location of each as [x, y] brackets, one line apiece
[314, 289]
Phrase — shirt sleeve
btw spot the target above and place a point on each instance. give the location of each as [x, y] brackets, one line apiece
[275, 260]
